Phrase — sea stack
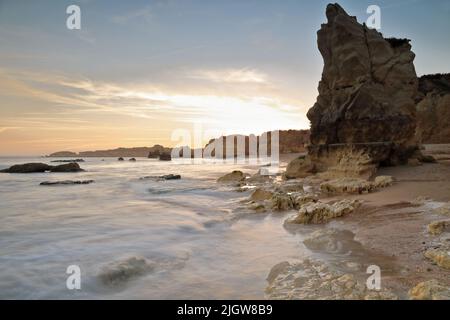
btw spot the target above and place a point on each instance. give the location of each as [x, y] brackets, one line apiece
[365, 113]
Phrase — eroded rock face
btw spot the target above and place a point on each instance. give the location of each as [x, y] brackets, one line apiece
[433, 109]
[365, 112]
[320, 212]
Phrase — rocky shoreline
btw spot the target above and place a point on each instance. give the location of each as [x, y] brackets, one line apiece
[388, 221]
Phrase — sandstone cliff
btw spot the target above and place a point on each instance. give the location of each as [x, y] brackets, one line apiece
[433, 109]
[365, 112]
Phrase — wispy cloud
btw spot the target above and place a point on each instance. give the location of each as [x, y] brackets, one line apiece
[4, 129]
[244, 75]
[73, 101]
[144, 13]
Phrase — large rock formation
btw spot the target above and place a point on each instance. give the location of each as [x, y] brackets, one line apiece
[433, 109]
[365, 112]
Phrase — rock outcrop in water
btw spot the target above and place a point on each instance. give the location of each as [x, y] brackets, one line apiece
[169, 176]
[68, 161]
[233, 177]
[42, 167]
[365, 112]
[65, 182]
[118, 273]
[433, 109]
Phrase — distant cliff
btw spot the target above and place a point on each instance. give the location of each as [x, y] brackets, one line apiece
[119, 152]
[291, 141]
[64, 154]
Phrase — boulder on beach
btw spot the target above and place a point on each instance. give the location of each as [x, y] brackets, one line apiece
[120, 159]
[283, 201]
[235, 176]
[66, 182]
[260, 195]
[259, 178]
[319, 212]
[132, 159]
[42, 167]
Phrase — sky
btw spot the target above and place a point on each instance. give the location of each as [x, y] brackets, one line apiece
[139, 72]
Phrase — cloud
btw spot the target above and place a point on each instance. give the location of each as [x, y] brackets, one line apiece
[75, 98]
[142, 13]
[85, 36]
[244, 75]
[4, 129]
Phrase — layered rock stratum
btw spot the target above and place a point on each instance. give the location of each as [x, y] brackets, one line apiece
[365, 113]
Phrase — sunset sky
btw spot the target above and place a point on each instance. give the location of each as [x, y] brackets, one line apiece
[138, 70]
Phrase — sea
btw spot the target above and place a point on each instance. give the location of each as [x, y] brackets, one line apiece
[124, 237]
